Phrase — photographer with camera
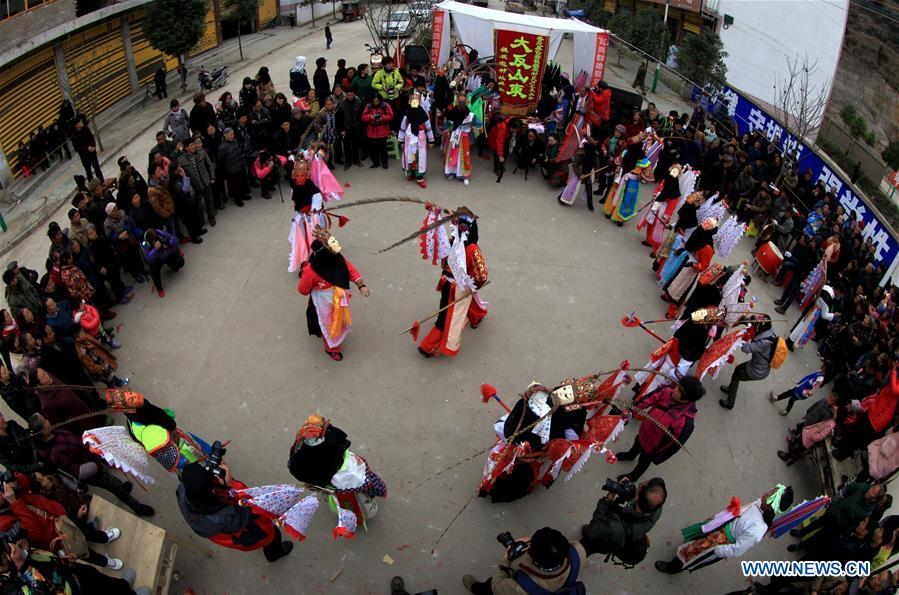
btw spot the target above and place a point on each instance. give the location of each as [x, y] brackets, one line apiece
[546, 562]
[623, 519]
[205, 500]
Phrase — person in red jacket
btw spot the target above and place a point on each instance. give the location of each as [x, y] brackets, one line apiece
[377, 117]
[672, 408]
[498, 140]
[599, 108]
[877, 417]
[326, 279]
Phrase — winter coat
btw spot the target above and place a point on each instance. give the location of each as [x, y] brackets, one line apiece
[676, 416]
[199, 169]
[177, 125]
[362, 87]
[349, 114]
[322, 83]
[761, 347]
[82, 140]
[161, 201]
[95, 358]
[377, 128]
[23, 296]
[299, 83]
[169, 243]
[497, 138]
[230, 157]
[387, 84]
[202, 117]
[76, 284]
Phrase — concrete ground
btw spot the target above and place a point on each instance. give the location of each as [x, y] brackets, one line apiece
[227, 349]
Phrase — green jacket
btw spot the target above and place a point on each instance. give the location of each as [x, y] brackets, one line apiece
[384, 81]
[611, 529]
[846, 512]
[362, 87]
[24, 296]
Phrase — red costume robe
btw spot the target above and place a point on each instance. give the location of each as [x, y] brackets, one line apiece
[446, 336]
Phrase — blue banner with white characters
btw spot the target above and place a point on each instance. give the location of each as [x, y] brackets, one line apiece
[748, 117]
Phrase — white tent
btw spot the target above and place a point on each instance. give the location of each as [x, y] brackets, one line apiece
[475, 27]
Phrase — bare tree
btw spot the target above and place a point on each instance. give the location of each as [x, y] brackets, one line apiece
[800, 103]
[375, 15]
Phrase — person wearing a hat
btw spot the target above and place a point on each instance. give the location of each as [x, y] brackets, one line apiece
[549, 564]
[209, 509]
[21, 293]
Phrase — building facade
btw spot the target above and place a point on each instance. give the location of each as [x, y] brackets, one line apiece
[91, 52]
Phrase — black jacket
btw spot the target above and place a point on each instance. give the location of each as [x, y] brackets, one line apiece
[322, 84]
[230, 158]
[17, 451]
[202, 117]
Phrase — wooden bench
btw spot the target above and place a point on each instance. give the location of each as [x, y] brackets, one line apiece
[831, 470]
[143, 546]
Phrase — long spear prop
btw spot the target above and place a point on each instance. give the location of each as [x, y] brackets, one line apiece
[416, 326]
[632, 320]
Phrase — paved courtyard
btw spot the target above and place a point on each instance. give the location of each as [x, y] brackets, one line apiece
[227, 350]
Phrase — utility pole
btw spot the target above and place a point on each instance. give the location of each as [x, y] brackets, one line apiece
[655, 78]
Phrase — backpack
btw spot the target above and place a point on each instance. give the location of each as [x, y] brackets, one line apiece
[778, 353]
[572, 586]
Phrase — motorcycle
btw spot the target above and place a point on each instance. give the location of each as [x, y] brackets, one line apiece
[375, 56]
[215, 79]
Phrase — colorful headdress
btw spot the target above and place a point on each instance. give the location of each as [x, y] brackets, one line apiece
[119, 399]
[643, 163]
[324, 236]
[314, 427]
[300, 169]
[712, 274]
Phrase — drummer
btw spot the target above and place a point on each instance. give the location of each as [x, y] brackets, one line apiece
[778, 230]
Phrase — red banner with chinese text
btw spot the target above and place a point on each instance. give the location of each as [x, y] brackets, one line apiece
[521, 59]
[599, 58]
[437, 36]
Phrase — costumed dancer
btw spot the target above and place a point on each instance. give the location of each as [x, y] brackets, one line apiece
[307, 202]
[540, 437]
[211, 507]
[821, 309]
[658, 216]
[326, 279]
[415, 133]
[460, 126]
[463, 273]
[321, 456]
[621, 200]
[729, 534]
[681, 270]
[685, 219]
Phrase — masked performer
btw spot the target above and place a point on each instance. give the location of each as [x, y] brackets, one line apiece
[415, 134]
[307, 202]
[695, 257]
[327, 280]
[685, 222]
[320, 456]
[460, 123]
[729, 534]
[658, 216]
[621, 202]
[464, 273]
[540, 437]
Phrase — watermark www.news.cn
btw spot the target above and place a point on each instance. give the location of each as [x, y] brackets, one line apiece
[805, 568]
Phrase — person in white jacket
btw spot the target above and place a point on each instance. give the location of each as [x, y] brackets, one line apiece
[722, 538]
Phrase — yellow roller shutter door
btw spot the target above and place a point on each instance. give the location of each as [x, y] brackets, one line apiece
[147, 59]
[268, 10]
[30, 95]
[210, 37]
[96, 64]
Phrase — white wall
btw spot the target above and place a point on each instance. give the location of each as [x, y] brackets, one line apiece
[765, 32]
[324, 13]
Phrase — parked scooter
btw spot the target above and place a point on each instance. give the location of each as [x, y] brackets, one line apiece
[210, 81]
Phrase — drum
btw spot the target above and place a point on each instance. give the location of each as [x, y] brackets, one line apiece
[769, 258]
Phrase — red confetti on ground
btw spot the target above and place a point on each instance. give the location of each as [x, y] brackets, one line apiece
[405, 546]
[346, 184]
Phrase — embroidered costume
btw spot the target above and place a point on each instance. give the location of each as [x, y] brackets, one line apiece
[415, 133]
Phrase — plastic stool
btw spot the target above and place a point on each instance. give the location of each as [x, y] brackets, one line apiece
[393, 146]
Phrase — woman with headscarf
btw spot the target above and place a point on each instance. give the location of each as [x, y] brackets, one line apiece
[326, 279]
[699, 248]
[299, 81]
[320, 456]
[415, 134]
